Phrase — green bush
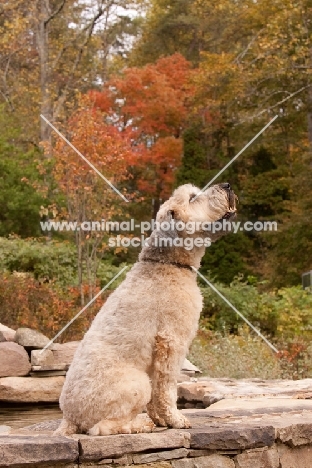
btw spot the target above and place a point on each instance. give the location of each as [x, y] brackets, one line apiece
[286, 312]
[52, 260]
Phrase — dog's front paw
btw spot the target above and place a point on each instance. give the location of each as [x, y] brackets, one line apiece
[178, 421]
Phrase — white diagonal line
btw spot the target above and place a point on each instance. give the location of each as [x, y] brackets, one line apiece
[84, 158]
[237, 311]
[84, 308]
[235, 157]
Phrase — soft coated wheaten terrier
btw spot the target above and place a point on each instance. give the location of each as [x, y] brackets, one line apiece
[133, 352]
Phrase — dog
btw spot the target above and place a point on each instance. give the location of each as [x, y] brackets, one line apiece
[131, 356]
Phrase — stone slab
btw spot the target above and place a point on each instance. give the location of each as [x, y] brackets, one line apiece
[295, 434]
[97, 448]
[48, 373]
[41, 358]
[258, 458]
[209, 390]
[22, 450]
[31, 339]
[228, 438]
[159, 456]
[294, 458]
[64, 353]
[211, 461]
[51, 367]
[249, 406]
[31, 389]
[187, 366]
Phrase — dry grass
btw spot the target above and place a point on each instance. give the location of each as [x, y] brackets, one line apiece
[235, 356]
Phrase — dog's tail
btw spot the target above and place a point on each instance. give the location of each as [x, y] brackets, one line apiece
[66, 428]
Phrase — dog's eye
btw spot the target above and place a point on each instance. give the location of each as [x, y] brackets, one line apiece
[171, 214]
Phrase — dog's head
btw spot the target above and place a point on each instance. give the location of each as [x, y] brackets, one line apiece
[189, 205]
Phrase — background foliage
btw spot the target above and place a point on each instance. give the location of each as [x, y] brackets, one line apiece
[155, 94]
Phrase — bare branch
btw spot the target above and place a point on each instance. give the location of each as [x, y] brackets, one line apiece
[55, 12]
[275, 105]
[7, 100]
[242, 54]
[91, 27]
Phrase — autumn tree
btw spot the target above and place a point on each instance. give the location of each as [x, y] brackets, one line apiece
[149, 108]
[87, 197]
[57, 48]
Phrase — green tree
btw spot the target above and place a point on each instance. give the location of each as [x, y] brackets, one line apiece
[19, 201]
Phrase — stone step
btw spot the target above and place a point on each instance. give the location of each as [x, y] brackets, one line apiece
[217, 439]
[47, 373]
[50, 367]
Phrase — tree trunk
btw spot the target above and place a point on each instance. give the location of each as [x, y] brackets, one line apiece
[43, 49]
[309, 116]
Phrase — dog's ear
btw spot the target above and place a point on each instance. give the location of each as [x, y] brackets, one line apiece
[166, 222]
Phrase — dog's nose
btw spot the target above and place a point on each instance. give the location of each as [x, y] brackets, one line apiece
[225, 186]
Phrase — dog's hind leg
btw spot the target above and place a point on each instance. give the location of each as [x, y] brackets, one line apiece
[128, 396]
[141, 423]
[66, 428]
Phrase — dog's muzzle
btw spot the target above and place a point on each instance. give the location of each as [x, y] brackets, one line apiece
[232, 198]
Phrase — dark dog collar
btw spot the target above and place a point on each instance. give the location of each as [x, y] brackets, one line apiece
[179, 265]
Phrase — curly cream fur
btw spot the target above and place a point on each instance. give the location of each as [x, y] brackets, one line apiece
[131, 355]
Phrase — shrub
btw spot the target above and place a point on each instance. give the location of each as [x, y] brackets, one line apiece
[47, 307]
[45, 260]
[283, 313]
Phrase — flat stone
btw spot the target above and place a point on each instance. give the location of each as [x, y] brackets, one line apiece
[193, 391]
[64, 353]
[41, 427]
[122, 461]
[231, 438]
[51, 367]
[4, 429]
[30, 339]
[189, 367]
[7, 333]
[259, 458]
[31, 389]
[41, 358]
[14, 360]
[250, 406]
[47, 373]
[294, 457]
[97, 448]
[295, 434]
[163, 464]
[199, 453]
[209, 390]
[23, 450]
[159, 456]
[211, 461]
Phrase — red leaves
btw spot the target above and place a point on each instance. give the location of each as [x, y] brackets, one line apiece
[26, 302]
[148, 107]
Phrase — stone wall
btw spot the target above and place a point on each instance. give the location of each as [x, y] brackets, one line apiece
[249, 433]
[235, 423]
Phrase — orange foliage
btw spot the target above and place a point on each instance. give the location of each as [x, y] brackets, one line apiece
[102, 145]
[24, 302]
[149, 108]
